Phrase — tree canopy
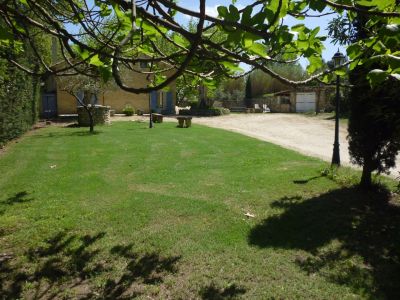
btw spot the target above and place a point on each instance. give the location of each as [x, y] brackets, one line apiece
[113, 33]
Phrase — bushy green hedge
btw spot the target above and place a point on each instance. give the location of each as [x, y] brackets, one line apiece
[204, 112]
[128, 110]
[19, 96]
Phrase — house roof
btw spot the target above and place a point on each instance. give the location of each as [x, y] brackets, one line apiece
[283, 92]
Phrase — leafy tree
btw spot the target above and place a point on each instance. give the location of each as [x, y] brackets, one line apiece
[230, 90]
[19, 92]
[83, 89]
[374, 124]
[254, 35]
[374, 121]
[186, 90]
[263, 83]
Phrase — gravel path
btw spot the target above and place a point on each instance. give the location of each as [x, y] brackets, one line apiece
[311, 136]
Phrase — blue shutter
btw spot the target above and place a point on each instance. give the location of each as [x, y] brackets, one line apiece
[80, 95]
[93, 101]
[49, 105]
[153, 101]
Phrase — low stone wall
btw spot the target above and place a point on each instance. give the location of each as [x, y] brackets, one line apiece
[101, 115]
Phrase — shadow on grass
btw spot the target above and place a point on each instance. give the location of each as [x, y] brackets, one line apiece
[20, 197]
[67, 134]
[351, 237]
[67, 266]
[212, 292]
[75, 133]
[305, 181]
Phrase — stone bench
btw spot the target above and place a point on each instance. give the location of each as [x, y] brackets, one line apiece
[184, 121]
[157, 118]
[101, 115]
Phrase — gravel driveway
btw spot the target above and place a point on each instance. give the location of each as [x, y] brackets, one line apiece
[312, 136]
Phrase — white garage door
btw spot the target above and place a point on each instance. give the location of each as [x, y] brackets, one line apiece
[305, 102]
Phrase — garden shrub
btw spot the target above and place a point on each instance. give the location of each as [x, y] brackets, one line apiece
[19, 100]
[128, 110]
[214, 111]
[20, 93]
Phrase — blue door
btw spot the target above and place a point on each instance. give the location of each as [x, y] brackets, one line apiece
[153, 101]
[49, 106]
[169, 101]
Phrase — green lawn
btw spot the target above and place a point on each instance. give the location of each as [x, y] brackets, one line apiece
[160, 213]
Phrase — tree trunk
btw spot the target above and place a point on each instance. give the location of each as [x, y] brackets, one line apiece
[366, 177]
[91, 121]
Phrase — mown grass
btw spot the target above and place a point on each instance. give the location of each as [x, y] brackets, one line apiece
[160, 213]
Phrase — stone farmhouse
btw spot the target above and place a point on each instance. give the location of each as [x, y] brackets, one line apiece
[56, 101]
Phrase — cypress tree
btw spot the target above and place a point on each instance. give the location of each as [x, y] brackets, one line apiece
[248, 100]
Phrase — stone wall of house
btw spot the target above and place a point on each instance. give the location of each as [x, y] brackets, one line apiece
[114, 96]
[101, 115]
[66, 103]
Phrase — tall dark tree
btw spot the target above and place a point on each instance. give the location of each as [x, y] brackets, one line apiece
[374, 119]
[248, 98]
[374, 125]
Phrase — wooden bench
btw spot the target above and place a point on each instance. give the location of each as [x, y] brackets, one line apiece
[184, 121]
[157, 118]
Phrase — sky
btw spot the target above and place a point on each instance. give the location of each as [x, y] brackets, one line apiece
[211, 9]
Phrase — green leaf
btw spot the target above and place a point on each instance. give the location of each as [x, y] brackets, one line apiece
[298, 28]
[246, 16]
[177, 38]
[273, 7]
[234, 13]
[315, 63]
[95, 60]
[379, 4]
[83, 53]
[105, 72]
[379, 47]
[314, 32]
[258, 49]
[232, 67]
[340, 72]
[159, 78]
[222, 11]
[353, 65]
[249, 39]
[353, 50]
[258, 18]
[377, 76]
[393, 61]
[5, 35]
[317, 5]
[150, 31]
[123, 18]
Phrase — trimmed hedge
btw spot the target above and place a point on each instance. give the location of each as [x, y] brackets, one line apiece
[209, 112]
[19, 98]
